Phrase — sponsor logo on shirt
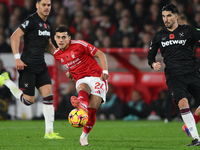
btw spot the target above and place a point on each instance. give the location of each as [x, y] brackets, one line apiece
[73, 63]
[44, 33]
[173, 42]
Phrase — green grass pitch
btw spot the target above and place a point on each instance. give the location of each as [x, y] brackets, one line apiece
[106, 135]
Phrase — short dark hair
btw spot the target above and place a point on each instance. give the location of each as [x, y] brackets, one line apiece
[62, 29]
[39, 1]
[170, 7]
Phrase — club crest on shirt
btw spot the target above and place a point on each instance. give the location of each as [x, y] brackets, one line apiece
[72, 54]
[181, 34]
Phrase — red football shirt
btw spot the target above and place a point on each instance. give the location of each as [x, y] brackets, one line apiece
[79, 59]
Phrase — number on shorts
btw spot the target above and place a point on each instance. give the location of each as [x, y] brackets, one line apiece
[98, 85]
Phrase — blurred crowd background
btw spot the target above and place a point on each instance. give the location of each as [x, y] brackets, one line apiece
[105, 24]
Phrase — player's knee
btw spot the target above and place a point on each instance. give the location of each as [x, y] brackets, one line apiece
[27, 100]
[95, 102]
[48, 100]
[183, 103]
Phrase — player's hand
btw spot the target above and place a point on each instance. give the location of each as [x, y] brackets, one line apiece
[19, 64]
[156, 66]
[104, 76]
[68, 75]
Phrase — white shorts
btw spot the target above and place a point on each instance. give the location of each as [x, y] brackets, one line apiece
[97, 86]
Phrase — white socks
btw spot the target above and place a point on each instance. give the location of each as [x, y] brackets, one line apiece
[190, 123]
[84, 135]
[48, 111]
[13, 88]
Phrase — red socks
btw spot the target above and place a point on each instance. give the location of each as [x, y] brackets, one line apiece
[83, 96]
[196, 118]
[91, 120]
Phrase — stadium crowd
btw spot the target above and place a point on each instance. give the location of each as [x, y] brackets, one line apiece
[107, 23]
[103, 23]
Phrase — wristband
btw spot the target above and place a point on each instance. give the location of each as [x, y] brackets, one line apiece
[105, 72]
[17, 56]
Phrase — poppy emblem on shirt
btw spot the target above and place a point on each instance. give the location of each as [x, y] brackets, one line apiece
[171, 36]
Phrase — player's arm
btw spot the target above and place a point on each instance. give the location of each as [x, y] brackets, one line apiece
[152, 54]
[69, 76]
[50, 47]
[15, 43]
[104, 64]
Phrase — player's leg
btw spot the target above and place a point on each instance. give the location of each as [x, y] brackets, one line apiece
[95, 102]
[188, 117]
[179, 87]
[43, 83]
[48, 109]
[28, 97]
[5, 80]
[189, 121]
[82, 101]
[98, 93]
[195, 91]
[196, 115]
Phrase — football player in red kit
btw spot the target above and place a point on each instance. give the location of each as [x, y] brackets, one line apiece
[91, 79]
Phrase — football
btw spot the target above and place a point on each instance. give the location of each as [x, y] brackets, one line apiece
[78, 118]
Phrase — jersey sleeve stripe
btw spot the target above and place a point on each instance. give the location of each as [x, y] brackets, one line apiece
[79, 42]
[56, 51]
